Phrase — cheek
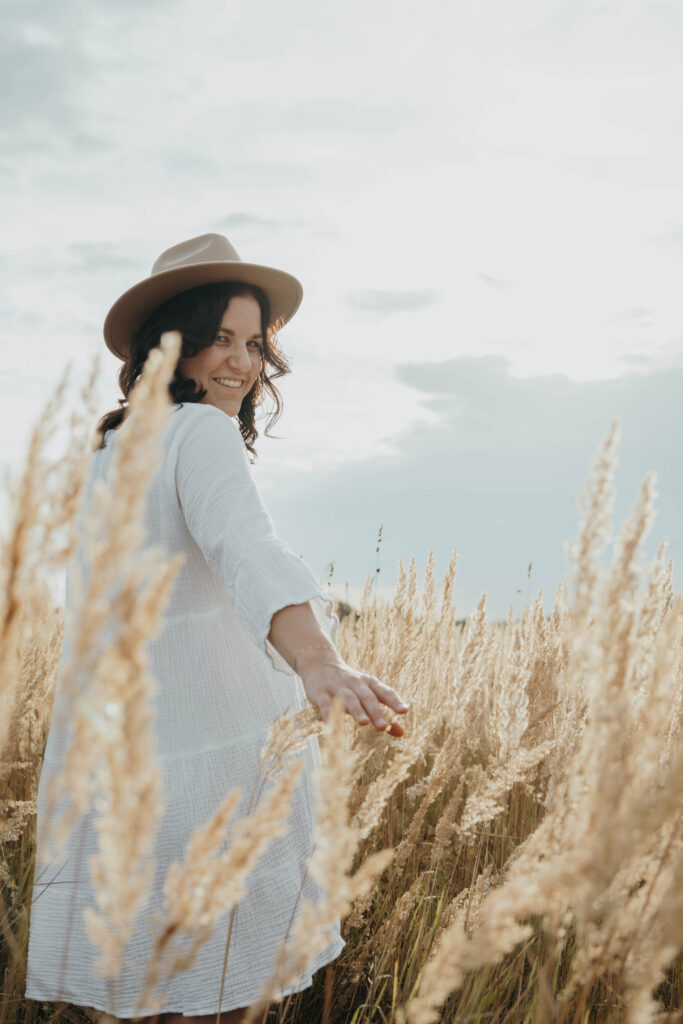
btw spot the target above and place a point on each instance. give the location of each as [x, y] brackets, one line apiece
[194, 366]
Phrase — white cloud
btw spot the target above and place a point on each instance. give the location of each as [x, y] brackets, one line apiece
[498, 477]
[487, 178]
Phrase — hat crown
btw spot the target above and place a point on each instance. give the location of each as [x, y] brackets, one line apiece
[209, 248]
[203, 260]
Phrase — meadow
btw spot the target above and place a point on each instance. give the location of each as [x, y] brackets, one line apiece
[516, 857]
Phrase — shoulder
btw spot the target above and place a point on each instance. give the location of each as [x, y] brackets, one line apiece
[196, 426]
[199, 416]
[192, 428]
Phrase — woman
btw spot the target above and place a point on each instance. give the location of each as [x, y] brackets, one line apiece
[248, 634]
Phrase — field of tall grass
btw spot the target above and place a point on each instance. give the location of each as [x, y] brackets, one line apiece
[517, 856]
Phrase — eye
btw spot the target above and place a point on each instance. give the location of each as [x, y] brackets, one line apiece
[226, 341]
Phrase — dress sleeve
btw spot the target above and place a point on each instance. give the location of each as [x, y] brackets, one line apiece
[226, 516]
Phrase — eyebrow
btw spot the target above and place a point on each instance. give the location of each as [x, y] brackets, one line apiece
[226, 330]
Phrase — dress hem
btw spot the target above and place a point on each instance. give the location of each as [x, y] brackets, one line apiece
[242, 1001]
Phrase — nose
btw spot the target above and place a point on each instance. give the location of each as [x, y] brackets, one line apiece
[240, 360]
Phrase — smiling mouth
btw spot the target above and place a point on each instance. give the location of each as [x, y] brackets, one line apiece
[228, 387]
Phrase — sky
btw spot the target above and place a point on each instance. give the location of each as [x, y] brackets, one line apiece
[482, 200]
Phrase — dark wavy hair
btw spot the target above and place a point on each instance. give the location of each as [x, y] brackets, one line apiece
[197, 313]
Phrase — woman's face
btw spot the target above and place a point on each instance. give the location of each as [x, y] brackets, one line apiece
[235, 355]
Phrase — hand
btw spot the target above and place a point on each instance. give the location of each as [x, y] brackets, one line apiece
[325, 674]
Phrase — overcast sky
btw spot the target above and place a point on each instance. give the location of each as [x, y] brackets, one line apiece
[482, 200]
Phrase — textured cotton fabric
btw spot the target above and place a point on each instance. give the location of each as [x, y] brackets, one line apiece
[221, 685]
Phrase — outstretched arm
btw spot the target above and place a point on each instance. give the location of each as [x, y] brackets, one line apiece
[324, 672]
[295, 627]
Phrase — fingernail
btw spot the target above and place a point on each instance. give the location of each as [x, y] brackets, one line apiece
[382, 722]
[404, 705]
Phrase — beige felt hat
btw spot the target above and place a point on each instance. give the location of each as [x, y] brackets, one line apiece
[206, 259]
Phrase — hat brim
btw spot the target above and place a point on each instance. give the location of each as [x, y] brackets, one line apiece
[132, 308]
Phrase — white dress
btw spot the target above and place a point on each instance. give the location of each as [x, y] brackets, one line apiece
[221, 685]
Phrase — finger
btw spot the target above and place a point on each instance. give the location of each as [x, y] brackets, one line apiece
[387, 695]
[324, 707]
[372, 706]
[354, 706]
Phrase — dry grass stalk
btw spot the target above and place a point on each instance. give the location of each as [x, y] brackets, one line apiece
[572, 860]
[383, 786]
[38, 662]
[40, 506]
[130, 778]
[114, 735]
[446, 828]
[335, 844]
[36, 549]
[446, 763]
[484, 804]
[466, 905]
[596, 503]
[287, 736]
[20, 554]
[104, 594]
[207, 884]
[565, 732]
[132, 799]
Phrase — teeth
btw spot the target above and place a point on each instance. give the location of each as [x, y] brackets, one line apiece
[229, 382]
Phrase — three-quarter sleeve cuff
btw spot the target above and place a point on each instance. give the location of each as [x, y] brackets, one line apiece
[270, 578]
[323, 609]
